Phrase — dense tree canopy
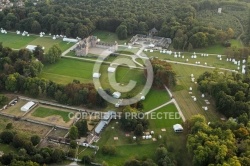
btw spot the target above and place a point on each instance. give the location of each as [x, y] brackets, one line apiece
[230, 91]
[218, 143]
[174, 19]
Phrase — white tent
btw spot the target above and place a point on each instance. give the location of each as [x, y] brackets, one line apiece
[96, 75]
[142, 97]
[70, 40]
[111, 69]
[177, 128]
[27, 106]
[117, 95]
[31, 47]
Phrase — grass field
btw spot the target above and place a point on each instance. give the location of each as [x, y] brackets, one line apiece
[184, 99]
[43, 112]
[211, 60]
[168, 116]
[47, 42]
[127, 150]
[66, 70]
[23, 127]
[108, 37]
[15, 41]
[82, 151]
[29, 129]
[58, 133]
[155, 98]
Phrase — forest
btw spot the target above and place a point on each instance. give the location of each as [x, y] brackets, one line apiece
[79, 18]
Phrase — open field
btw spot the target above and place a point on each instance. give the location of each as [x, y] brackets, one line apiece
[43, 112]
[16, 109]
[188, 106]
[15, 41]
[123, 75]
[211, 60]
[66, 70]
[108, 37]
[168, 116]
[129, 149]
[47, 42]
[52, 115]
[58, 133]
[155, 98]
[83, 151]
[29, 129]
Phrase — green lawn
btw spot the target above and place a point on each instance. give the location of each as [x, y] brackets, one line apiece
[7, 148]
[83, 151]
[164, 117]
[155, 98]
[211, 60]
[66, 70]
[15, 41]
[184, 99]
[126, 152]
[47, 42]
[127, 149]
[43, 112]
[108, 37]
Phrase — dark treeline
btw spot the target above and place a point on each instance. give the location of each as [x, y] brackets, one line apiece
[19, 71]
[174, 19]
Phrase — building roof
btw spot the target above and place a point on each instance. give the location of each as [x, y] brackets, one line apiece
[100, 127]
[27, 106]
[70, 40]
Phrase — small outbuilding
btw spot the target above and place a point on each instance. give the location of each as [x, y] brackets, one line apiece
[70, 40]
[177, 128]
[27, 106]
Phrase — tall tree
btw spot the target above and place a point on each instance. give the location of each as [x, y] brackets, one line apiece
[54, 54]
